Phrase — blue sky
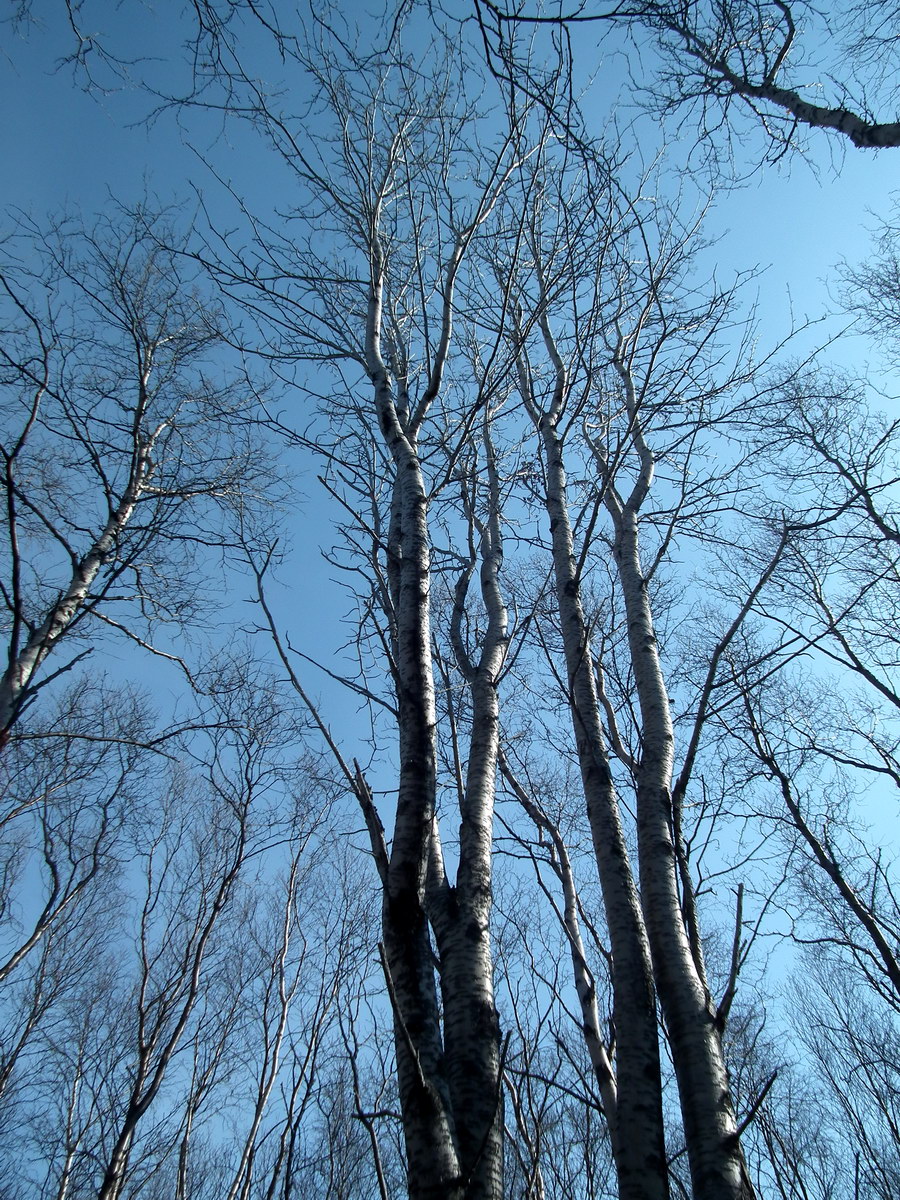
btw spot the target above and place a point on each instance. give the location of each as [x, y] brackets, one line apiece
[67, 149]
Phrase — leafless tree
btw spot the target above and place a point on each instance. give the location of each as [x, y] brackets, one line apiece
[787, 65]
[769, 64]
[526, 414]
[808, 710]
[399, 192]
[197, 972]
[603, 365]
[65, 798]
[121, 449]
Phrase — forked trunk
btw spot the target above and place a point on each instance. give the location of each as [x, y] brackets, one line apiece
[716, 1161]
[637, 1134]
[429, 1131]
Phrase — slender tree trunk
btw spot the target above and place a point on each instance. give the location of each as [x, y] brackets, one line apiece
[432, 1162]
[638, 1136]
[448, 1074]
[716, 1160]
[431, 1138]
[25, 661]
[461, 916]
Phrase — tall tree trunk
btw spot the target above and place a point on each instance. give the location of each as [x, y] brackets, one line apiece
[637, 1134]
[449, 1075]
[461, 916]
[433, 1167]
[716, 1161]
[433, 1164]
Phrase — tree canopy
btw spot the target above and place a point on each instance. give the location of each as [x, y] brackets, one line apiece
[448, 726]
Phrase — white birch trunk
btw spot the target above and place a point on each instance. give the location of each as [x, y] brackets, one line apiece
[637, 1134]
[638, 1137]
[449, 1078]
[25, 662]
[714, 1153]
[433, 1167]
[461, 915]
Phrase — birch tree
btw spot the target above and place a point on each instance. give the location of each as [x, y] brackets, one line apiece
[523, 410]
[638, 1099]
[823, 730]
[602, 362]
[395, 196]
[747, 64]
[200, 972]
[121, 451]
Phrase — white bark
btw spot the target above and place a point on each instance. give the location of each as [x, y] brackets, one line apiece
[25, 662]
[461, 916]
[638, 1137]
[710, 1127]
[434, 1170]
[448, 1062]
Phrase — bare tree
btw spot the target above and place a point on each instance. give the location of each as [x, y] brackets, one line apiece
[808, 713]
[192, 976]
[399, 192]
[604, 363]
[65, 800]
[121, 450]
[523, 411]
[786, 65]
[640, 1159]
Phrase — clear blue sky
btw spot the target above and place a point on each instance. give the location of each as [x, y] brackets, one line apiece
[63, 148]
